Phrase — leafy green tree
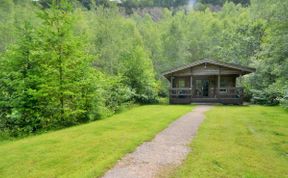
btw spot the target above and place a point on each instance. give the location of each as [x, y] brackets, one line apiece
[6, 23]
[272, 59]
[18, 107]
[13, 15]
[119, 45]
[53, 83]
[138, 73]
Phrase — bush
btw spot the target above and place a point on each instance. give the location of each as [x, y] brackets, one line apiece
[266, 97]
[163, 100]
[139, 76]
[116, 94]
[284, 100]
[247, 95]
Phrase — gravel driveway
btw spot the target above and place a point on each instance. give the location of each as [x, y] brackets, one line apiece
[165, 152]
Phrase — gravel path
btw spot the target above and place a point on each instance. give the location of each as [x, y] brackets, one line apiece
[165, 152]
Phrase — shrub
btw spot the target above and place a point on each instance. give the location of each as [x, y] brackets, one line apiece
[247, 95]
[266, 97]
[116, 94]
[284, 100]
[139, 76]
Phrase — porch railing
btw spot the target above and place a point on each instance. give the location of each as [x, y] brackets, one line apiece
[223, 92]
[180, 92]
[231, 91]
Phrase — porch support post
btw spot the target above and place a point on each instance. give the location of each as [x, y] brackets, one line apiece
[191, 86]
[240, 79]
[241, 89]
[191, 82]
[218, 83]
[191, 79]
[170, 90]
[171, 82]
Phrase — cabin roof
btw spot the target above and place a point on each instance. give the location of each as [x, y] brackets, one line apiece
[244, 69]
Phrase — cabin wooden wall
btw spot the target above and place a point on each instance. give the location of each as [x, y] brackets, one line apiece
[208, 69]
[226, 81]
[177, 79]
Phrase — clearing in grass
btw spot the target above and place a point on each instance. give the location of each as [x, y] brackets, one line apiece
[239, 142]
[87, 150]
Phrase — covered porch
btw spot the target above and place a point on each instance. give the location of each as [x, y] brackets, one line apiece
[206, 82]
[205, 89]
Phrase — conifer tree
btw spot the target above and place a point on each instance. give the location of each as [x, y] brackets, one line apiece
[52, 83]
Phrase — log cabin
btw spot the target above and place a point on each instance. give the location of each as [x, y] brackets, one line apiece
[206, 81]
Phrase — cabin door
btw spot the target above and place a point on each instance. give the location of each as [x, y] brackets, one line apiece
[202, 88]
[205, 88]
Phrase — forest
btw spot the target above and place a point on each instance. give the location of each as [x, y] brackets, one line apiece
[63, 62]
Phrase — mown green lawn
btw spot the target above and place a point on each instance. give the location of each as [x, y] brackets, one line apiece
[87, 150]
[246, 142]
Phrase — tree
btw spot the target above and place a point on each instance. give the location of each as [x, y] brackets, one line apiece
[138, 73]
[271, 60]
[56, 84]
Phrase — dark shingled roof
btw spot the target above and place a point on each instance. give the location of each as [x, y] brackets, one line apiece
[209, 61]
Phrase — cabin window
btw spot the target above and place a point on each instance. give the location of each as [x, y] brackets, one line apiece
[223, 90]
[181, 83]
[198, 84]
[223, 83]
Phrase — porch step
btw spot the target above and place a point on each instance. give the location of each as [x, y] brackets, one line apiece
[206, 103]
[209, 101]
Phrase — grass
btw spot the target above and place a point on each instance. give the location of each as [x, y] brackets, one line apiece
[87, 150]
[248, 142]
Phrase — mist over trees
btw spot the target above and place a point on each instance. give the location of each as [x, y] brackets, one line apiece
[62, 63]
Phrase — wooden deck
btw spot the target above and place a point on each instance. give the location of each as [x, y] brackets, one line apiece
[231, 95]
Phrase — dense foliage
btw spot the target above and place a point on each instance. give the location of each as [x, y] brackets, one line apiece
[66, 63]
